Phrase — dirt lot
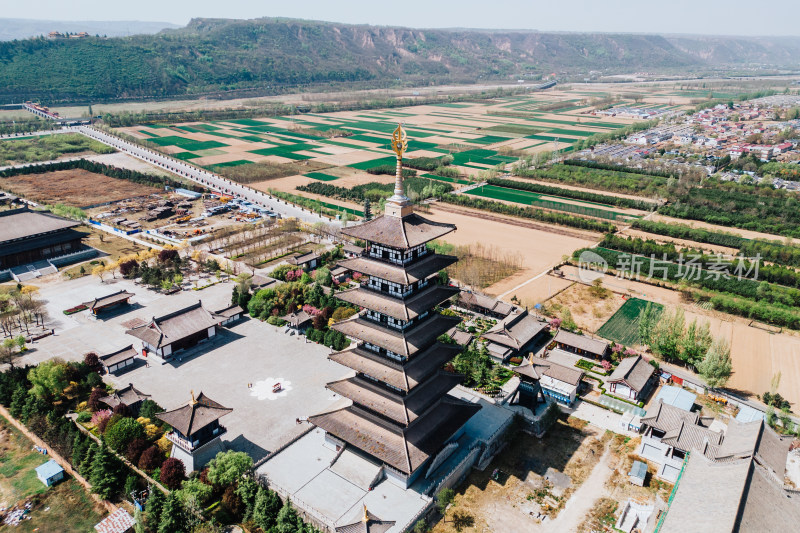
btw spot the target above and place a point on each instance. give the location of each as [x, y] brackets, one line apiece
[512, 502]
[540, 245]
[588, 309]
[76, 188]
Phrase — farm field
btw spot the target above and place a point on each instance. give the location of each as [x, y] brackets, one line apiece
[76, 188]
[623, 326]
[548, 202]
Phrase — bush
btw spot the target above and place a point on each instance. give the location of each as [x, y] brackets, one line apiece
[136, 449]
[123, 433]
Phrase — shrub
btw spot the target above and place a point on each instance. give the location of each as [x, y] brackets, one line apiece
[136, 449]
[123, 433]
[101, 415]
[91, 360]
[227, 467]
[84, 417]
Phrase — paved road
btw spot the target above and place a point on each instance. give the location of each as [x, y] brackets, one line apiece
[203, 177]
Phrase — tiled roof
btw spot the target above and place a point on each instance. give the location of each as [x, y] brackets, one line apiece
[476, 299]
[421, 269]
[195, 415]
[405, 343]
[404, 450]
[634, 371]
[665, 417]
[120, 521]
[228, 312]
[462, 338]
[593, 346]
[402, 233]
[24, 223]
[687, 436]
[404, 377]
[402, 409]
[127, 396]
[368, 524]
[757, 439]
[407, 309]
[110, 299]
[515, 331]
[175, 326]
[297, 320]
[536, 367]
[117, 357]
[301, 259]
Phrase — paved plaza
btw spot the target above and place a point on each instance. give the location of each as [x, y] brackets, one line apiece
[236, 368]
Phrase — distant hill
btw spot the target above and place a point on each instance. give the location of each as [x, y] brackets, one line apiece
[11, 29]
[217, 55]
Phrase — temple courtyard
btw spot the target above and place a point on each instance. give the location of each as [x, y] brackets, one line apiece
[237, 368]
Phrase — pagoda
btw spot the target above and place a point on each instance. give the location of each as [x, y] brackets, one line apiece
[401, 414]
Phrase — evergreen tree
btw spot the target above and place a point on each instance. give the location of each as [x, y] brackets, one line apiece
[79, 447]
[104, 474]
[647, 321]
[85, 467]
[288, 521]
[18, 399]
[139, 526]
[247, 491]
[172, 516]
[367, 210]
[266, 508]
[152, 510]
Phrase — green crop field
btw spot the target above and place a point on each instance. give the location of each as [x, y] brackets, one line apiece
[623, 326]
[320, 176]
[534, 199]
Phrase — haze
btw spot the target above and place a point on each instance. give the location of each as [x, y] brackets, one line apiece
[733, 17]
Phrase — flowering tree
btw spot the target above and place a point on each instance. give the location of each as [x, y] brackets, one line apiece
[606, 365]
[102, 414]
[555, 323]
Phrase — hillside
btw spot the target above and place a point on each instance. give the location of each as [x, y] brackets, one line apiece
[11, 29]
[213, 55]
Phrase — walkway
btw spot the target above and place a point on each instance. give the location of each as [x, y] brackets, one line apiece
[203, 177]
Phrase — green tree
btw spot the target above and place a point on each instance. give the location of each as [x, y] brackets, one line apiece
[716, 367]
[647, 321]
[667, 335]
[228, 467]
[194, 488]
[104, 478]
[123, 432]
[172, 516]
[694, 343]
[247, 490]
[266, 509]
[149, 409]
[85, 467]
[444, 498]
[49, 379]
[153, 508]
[288, 521]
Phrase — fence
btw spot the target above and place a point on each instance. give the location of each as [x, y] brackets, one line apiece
[110, 507]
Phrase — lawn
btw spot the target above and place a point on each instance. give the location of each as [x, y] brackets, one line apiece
[623, 326]
[319, 176]
[18, 479]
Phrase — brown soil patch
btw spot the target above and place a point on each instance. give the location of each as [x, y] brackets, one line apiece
[588, 310]
[77, 188]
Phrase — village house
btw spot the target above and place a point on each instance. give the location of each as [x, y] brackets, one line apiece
[632, 379]
[306, 261]
[166, 335]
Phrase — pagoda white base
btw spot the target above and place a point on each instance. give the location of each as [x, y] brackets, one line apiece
[199, 457]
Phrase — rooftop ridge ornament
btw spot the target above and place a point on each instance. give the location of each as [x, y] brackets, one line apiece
[398, 204]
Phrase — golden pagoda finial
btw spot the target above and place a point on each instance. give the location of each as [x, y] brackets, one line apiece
[194, 401]
[366, 516]
[398, 204]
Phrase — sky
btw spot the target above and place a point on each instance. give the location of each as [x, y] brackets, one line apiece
[710, 17]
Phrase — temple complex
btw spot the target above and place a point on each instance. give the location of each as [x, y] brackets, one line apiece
[401, 414]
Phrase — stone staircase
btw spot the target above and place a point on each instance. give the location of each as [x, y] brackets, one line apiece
[32, 271]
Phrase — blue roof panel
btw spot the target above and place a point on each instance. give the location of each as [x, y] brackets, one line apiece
[676, 397]
[49, 469]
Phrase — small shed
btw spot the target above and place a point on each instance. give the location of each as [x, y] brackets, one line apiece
[120, 521]
[50, 473]
[119, 360]
[638, 473]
